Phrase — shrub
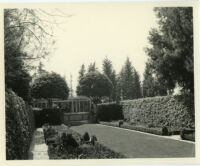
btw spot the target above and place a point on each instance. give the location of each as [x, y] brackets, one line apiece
[187, 134]
[109, 111]
[68, 141]
[19, 126]
[165, 131]
[93, 139]
[120, 123]
[86, 136]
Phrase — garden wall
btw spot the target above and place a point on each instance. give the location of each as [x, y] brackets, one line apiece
[19, 127]
[171, 111]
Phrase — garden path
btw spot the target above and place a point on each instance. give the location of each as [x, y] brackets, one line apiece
[135, 144]
[38, 149]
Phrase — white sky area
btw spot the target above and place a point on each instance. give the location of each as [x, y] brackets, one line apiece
[115, 30]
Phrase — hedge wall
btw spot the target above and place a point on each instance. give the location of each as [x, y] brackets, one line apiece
[51, 116]
[171, 111]
[19, 127]
[109, 111]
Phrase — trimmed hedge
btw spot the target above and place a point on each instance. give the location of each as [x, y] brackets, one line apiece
[109, 111]
[187, 134]
[19, 127]
[52, 116]
[173, 112]
[137, 128]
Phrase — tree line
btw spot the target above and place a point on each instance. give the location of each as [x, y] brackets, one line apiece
[125, 85]
[169, 64]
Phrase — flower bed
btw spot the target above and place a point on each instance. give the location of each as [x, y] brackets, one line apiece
[64, 143]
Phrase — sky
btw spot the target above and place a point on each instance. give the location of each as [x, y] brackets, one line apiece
[97, 30]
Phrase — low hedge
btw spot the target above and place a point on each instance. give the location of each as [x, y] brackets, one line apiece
[186, 134]
[109, 111]
[19, 126]
[174, 112]
[158, 131]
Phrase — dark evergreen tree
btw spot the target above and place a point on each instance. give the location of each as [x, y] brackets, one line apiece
[137, 85]
[92, 67]
[110, 73]
[81, 72]
[151, 86]
[126, 81]
[171, 55]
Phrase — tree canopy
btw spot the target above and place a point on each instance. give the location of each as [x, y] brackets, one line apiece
[25, 41]
[95, 85]
[50, 85]
[171, 54]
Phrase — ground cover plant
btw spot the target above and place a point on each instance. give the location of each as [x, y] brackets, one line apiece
[64, 143]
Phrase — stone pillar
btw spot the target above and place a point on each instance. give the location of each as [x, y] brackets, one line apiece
[79, 107]
[72, 106]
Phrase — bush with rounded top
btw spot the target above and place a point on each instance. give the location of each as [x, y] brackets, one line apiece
[68, 141]
[86, 136]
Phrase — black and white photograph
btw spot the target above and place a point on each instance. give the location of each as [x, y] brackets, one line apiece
[99, 80]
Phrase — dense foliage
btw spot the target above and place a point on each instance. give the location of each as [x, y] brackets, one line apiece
[174, 112]
[19, 127]
[51, 116]
[171, 55]
[109, 111]
[95, 85]
[50, 85]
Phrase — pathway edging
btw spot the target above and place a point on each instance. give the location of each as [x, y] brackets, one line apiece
[38, 148]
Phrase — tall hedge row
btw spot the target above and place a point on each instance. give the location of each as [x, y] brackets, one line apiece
[109, 111]
[171, 111]
[19, 127]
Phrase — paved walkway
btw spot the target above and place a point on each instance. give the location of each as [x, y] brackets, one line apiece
[135, 144]
[38, 149]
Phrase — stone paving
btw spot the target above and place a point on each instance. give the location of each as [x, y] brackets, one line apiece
[38, 149]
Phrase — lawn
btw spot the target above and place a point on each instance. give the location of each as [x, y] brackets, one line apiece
[134, 144]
